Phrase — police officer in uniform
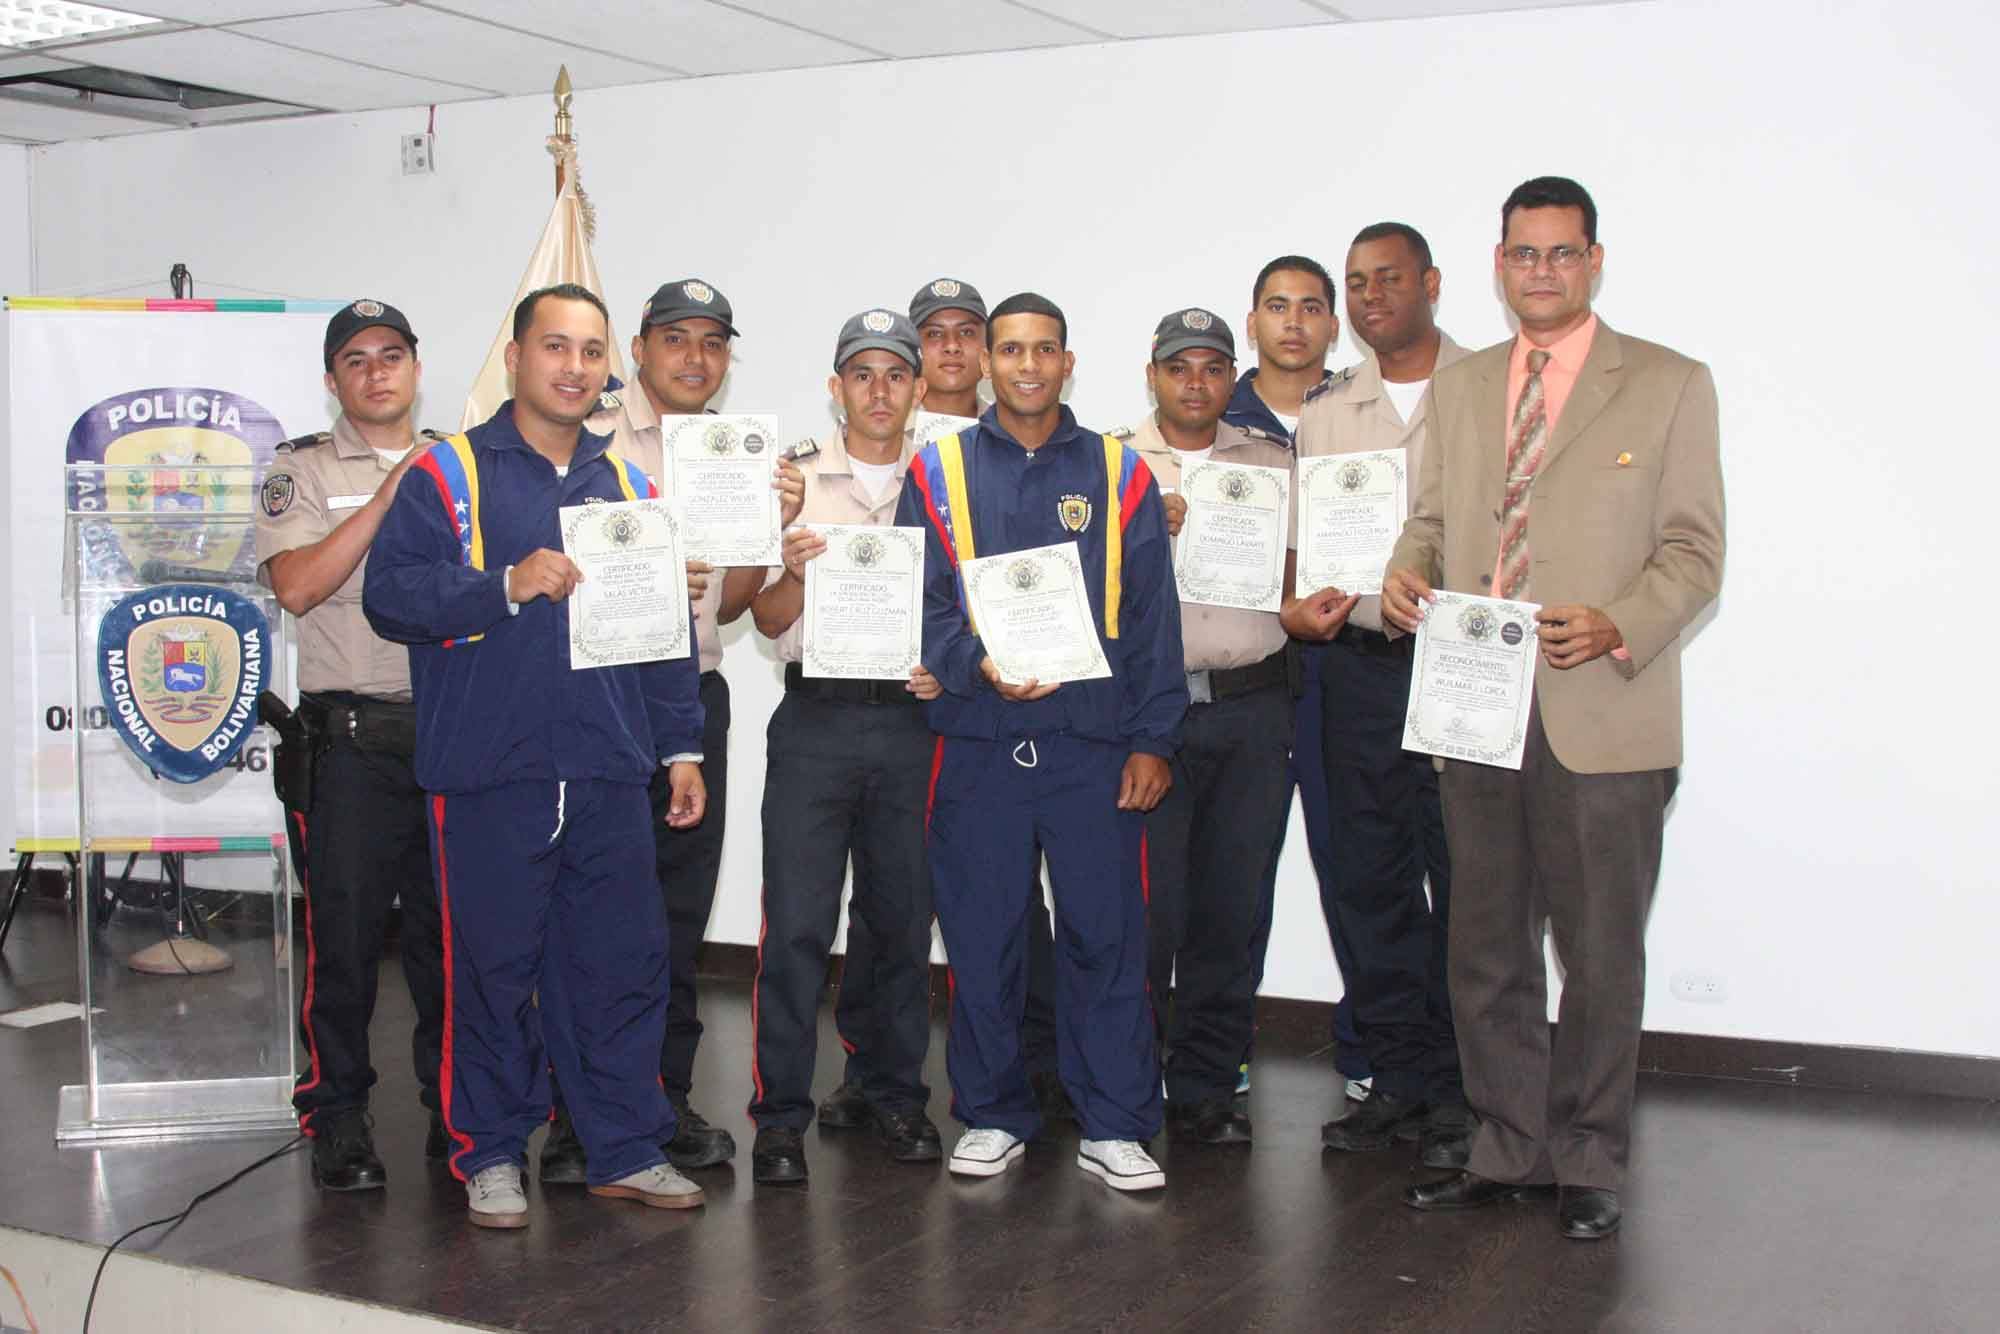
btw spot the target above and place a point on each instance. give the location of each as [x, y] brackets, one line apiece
[849, 772]
[359, 839]
[680, 357]
[1385, 826]
[1212, 836]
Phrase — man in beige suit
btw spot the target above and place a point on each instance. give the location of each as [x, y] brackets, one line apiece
[1615, 443]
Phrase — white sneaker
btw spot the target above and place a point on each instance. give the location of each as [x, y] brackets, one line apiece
[496, 1196]
[985, 1153]
[660, 1186]
[1359, 1089]
[1121, 1164]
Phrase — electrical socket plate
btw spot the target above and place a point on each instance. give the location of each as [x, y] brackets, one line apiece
[1699, 986]
[419, 154]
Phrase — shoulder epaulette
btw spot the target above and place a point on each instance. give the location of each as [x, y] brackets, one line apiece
[1333, 381]
[1123, 435]
[1259, 433]
[433, 436]
[608, 401]
[804, 449]
[306, 441]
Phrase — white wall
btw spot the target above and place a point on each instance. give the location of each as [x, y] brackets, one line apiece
[1791, 191]
[16, 275]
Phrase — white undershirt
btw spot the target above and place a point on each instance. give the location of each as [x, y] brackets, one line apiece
[875, 478]
[562, 469]
[1190, 457]
[1291, 424]
[1406, 396]
[392, 456]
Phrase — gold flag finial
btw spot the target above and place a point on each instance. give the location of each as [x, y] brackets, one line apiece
[563, 94]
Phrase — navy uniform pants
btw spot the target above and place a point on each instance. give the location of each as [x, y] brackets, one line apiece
[1386, 836]
[686, 863]
[845, 778]
[1210, 843]
[547, 889]
[360, 848]
[994, 803]
[1309, 769]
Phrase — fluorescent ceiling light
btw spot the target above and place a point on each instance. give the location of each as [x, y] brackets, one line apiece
[28, 23]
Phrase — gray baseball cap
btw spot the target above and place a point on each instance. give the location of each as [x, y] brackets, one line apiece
[945, 294]
[883, 329]
[1193, 327]
[687, 299]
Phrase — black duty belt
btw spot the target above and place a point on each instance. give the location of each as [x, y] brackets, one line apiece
[1229, 682]
[1374, 643]
[363, 721]
[845, 692]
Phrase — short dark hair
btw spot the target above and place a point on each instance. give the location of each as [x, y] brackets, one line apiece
[1028, 303]
[1551, 192]
[524, 314]
[1382, 231]
[1297, 262]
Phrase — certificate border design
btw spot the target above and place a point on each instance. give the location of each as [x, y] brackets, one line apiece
[847, 666]
[1413, 728]
[1301, 496]
[1086, 664]
[677, 646]
[689, 433]
[1211, 593]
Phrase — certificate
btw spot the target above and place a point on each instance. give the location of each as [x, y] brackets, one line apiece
[1032, 610]
[722, 470]
[863, 616]
[1231, 551]
[1474, 679]
[632, 605]
[930, 426]
[1351, 511]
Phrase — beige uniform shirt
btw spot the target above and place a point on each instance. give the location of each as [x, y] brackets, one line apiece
[1351, 414]
[835, 495]
[313, 485]
[635, 437]
[1213, 638]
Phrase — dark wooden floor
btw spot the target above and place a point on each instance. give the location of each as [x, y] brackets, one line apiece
[1751, 1208]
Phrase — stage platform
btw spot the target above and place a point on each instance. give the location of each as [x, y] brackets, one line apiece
[1751, 1208]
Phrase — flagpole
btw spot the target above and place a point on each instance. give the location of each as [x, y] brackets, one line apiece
[563, 93]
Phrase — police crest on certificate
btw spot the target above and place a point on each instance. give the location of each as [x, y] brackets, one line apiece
[864, 603]
[1232, 544]
[1351, 510]
[631, 605]
[1031, 610]
[1473, 680]
[721, 470]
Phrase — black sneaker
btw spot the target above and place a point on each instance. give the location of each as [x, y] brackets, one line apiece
[1375, 1124]
[343, 1152]
[1052, 1099]
[437, 1144]
[909, 1135]
[846, 1109]
[778, 1157]
[1446, 1139]
[1210, 1121]
[696, 1143]
[563, 1160]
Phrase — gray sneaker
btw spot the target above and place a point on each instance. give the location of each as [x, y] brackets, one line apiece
[496, 1196]
[660, 1186]
[1121, 1164]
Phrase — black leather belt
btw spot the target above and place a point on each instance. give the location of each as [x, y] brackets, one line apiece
[1374, 643]
[366, 722]
[845, 692]
[1229, 682]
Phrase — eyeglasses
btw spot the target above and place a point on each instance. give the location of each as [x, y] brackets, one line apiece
[1559, 257]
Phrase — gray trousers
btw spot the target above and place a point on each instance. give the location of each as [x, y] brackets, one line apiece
[1581, 851]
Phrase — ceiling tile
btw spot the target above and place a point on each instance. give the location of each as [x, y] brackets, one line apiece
[219, 59]
[433, 44]
[40, 123]
[1172, 18]
[926, 27]
[1424, 9]
[684, 35]
[13, 67]
[237, 11]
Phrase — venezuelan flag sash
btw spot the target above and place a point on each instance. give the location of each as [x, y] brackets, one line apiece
[450, 466]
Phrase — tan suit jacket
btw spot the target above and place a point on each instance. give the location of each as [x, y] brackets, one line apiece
[1626, 516]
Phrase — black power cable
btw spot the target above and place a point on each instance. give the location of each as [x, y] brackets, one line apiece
[211, 1192]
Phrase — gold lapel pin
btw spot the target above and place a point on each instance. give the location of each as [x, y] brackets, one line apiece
[1625, 460]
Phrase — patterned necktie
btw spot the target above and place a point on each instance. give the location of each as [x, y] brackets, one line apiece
[1525, 441]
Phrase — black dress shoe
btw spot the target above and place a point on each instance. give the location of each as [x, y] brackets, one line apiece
[1052, 1099]
[1466, 1190]
[696, 1143]
[564, 1162]
[1446, 1141]
[1210, 1121]
[437, 1144]
[846, 1109]
[909, 1135]
[1588, 1213]
[1375, 1124]
[343, 1153]
[778, 1157]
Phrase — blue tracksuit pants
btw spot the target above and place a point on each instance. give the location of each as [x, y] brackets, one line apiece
[996, 806]
[547, 889]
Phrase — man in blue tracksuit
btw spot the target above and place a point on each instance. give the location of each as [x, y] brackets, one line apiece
[536, 777]
[1068, 768]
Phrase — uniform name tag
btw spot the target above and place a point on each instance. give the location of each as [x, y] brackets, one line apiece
[347, 502]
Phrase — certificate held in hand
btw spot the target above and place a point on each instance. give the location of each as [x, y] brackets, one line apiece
[632, 605]
[1351, 511]
[863, 618]
[1032, 611]
[1231, 550]
[721, 471]
[1474, 680]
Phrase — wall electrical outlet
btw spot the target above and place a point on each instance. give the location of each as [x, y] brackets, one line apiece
[1699, 986]
[419, 154]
